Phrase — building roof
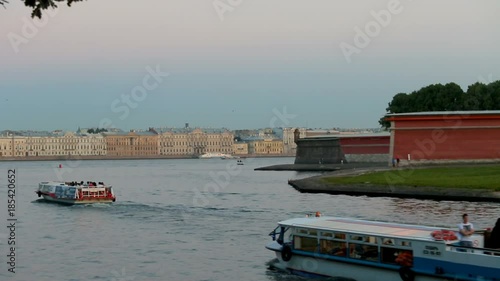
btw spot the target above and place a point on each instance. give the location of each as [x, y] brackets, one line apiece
[361, 135]
[142, 133]
[430, 113]
[190, 130]
[259, 138]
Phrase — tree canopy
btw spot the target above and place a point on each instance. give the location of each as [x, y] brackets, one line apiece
[40, 5]
[449, 97]
[96, 131]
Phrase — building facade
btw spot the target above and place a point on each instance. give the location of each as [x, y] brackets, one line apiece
[132, 144]
[259, 146]
[194, 142]
[12, 146]
[240, 148]
[48, 144]
[289, 145]
[436, 137]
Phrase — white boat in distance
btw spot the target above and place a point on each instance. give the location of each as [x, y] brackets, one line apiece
[216, 155]
[380, 251]
[72, 193]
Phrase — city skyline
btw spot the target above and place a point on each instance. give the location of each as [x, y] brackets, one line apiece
[322, 65]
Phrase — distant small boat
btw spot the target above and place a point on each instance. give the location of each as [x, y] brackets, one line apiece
[240, 162]
[72, 193]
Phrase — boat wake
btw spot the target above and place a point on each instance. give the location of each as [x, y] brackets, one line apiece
[279, 273]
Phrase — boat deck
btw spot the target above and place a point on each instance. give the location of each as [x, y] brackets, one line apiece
[365, 227]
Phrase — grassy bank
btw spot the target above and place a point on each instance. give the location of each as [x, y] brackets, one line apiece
[477, 177]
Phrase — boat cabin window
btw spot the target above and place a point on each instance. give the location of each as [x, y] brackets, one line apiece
[327, 234]
[339, 235]
[364, 238]
[401, 257]
[404, 243]
[331, 247]
[334, 235]
[364, 252]
[307, 244]
[388, 241]
[355, 237]
[302, 231]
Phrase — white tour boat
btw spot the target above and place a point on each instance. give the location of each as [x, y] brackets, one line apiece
[76, 192]
[211, 155]
[379, 251]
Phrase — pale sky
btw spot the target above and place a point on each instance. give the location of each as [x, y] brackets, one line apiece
[250, 64]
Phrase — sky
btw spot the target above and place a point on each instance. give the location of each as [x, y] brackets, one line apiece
[237, 64]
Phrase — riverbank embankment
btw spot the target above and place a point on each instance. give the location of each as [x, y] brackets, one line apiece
[470, 183]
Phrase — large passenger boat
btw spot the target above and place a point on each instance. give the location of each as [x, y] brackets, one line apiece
[380, 251]
[76, 192]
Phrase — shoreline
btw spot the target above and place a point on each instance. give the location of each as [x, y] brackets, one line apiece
[100, 157]
[316, 185]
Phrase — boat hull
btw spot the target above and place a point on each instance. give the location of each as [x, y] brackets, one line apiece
[316, 268]
[63, 201]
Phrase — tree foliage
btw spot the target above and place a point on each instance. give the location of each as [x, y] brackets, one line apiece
[39, 5]
[96, 130]
[449, 97]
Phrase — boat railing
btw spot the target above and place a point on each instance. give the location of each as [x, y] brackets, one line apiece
[455, 247]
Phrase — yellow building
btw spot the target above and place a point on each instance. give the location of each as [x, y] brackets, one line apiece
[265, 146]
[134, 144]
[12, 146]
[193, 142]
[240, 148]
[63, 144]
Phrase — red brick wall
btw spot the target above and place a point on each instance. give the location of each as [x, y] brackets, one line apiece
[447, 138]
[365, 145]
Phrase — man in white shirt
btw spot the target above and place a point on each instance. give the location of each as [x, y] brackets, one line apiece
[465, 231]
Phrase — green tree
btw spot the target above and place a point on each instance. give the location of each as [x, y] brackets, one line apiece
[435, 97]
[493, 90]
[40, 5]
[449, 97]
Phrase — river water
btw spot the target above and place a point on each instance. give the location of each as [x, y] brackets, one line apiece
[193, 219]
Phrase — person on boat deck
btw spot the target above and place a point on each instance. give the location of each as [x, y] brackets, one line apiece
[465, 231]
[495, 236]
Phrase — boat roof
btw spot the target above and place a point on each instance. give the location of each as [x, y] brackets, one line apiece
[376, 228]
[64, 183]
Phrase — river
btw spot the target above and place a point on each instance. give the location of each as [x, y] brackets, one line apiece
[189, 219]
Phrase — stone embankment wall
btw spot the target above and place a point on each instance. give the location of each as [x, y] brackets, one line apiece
[318, 151]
